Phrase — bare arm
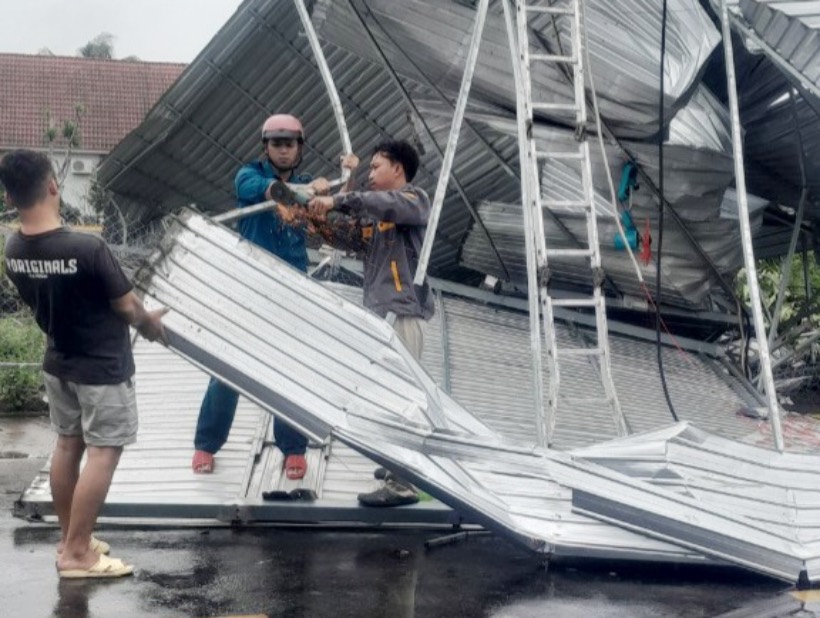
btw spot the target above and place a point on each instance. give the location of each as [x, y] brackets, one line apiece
[148, 323]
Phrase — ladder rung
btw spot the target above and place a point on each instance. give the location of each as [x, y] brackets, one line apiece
[553, 58]
[586, 400]
[574, 302]
[555, 107]
[579, 352]
[565, 204]
[543, 154]
[570, 253]
[551, 10]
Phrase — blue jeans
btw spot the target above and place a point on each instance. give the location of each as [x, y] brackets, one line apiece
[216, 417]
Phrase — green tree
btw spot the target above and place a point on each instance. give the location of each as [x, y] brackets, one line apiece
[100, 47]
[796, 306]
[98, 197]
[63, 135]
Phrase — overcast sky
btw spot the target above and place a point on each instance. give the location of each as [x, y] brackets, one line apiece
[156, 30]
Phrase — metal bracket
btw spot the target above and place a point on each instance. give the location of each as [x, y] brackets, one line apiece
[598, 277]
[580, 132]
[544, 276]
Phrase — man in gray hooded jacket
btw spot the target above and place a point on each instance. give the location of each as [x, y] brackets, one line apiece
[388, 223]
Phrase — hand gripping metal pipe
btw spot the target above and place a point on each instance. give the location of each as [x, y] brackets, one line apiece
[330, 85]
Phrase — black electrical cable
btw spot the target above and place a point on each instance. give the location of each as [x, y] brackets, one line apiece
[747, 325]
[660, 222]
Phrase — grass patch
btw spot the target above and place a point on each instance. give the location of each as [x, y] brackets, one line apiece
[21, 341]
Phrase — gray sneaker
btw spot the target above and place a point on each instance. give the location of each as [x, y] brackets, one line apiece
[392, 493]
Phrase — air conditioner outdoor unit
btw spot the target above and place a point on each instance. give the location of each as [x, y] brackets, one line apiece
[81, 168]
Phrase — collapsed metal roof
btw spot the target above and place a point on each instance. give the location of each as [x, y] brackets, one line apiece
[780, 105]
[345, 374]
[299, 350]
[191, 144]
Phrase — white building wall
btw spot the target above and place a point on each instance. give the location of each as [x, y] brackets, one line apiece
[77, 183]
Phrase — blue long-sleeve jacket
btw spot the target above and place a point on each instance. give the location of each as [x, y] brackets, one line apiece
[266, 229]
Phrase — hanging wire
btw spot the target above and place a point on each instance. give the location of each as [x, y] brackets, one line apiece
[660, 220]
[613, 199]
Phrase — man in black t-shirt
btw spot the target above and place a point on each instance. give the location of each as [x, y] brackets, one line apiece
[84, 304]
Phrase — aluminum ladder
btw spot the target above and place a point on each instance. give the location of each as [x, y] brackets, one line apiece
[598, 355]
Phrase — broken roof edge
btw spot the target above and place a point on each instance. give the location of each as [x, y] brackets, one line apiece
[807, 88]
[766, 20]
[222, 44]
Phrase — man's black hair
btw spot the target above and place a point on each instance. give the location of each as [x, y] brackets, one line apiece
[400, 152]
[25, 175]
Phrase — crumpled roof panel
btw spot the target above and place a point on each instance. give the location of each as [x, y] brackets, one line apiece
[623, 41]
[699, 171]
[191, 144]
[768, 79]
[236, 311]
[792, 28]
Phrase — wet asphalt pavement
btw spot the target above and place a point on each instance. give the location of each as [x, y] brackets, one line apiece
[294, 572]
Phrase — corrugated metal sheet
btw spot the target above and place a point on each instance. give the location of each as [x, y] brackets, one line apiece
[777, 493]
[235, 310]
[685, 281]
[190, 145]
[157, 467]
[623, 44]
[791, 30]
[699, 172]
[346, 375]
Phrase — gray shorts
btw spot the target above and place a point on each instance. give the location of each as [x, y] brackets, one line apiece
[103, 414]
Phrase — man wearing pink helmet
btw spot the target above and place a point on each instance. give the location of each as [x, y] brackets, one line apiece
[283, 233]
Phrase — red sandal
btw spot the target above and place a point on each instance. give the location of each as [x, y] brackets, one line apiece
[295, 467]
[203, 462]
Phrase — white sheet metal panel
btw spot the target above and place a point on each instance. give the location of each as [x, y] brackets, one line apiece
[324, 363]
[787, 35]
[347, 375]
[779, 490]
[336, 337]
[792, 28]
[775, 496]
[699, 172]
[158, 466]
[156, 470]
[344, 356]
[623, 39]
